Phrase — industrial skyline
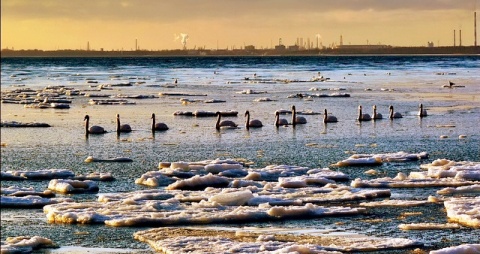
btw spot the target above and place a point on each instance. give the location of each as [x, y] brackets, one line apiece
[209, 24]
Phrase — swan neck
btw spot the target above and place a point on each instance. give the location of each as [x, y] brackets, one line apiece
[87, 122]
[294, 116]
[277, 120]
[153, 123]
[247, 123]
[217, 125]
[118, 124]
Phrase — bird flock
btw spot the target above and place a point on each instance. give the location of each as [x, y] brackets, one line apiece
[253, 123]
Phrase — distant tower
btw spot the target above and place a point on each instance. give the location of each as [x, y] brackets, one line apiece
[136, 45]
[88, 46]
[454, 39]
[341, 40]
[460, 40]
[475, 26]
[280, 41]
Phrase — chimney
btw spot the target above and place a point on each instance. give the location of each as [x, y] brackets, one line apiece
[460, 41]
[475, 26]
[454, 38]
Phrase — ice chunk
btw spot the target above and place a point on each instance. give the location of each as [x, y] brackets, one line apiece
[461, 249]
[72, 186]
[465, 211]
[235, 198]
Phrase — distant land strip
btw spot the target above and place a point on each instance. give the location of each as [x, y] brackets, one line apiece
[451, 50]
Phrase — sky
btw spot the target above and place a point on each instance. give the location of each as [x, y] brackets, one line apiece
[221, 24]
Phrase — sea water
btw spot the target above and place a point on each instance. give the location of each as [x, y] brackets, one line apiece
[401, 81]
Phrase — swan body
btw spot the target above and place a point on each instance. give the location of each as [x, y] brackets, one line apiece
[363, 117]
[329, 119]
[376, 115]
[279, 121]
[394, 114]
[297, 119]
[254, 123]
[422, 112]
[224, 123]
[158, 126]
[122, 127]
[95, 129]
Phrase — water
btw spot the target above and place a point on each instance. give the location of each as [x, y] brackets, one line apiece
[407, 81]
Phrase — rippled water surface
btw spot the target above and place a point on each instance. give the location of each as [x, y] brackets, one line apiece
[402, 81]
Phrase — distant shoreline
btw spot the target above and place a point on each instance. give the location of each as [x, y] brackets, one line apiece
[460, 50]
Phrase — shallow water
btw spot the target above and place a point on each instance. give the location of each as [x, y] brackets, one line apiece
[414, 80]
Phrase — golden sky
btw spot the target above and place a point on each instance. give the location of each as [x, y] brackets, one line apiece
[157, 24]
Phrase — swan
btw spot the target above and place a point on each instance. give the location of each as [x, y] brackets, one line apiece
[158, 126]
[94, 129]
[297, 119]
[375, 114]
[422, 112]
[363, 117]
[252, 123]
[279, 121]
[394, 114]
[122, 127]
[224, 123]
[329, 119]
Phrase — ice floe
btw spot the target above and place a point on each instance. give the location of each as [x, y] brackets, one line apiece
[25, 244]
[393, 202]
[73, 186]
[202, 240]
[24, 191]
[414, 180]
[15, 124]
[30, 201]
[460, 249]
[464, 189]
[377, 159]
[428, 226]
[465, 211]
[45, 174]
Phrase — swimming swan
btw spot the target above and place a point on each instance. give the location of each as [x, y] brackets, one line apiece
[158, 126]
[376, 115]
[297, 119]
[94, 129]
[422, 112]
[361, 116]
[394, 114]
[329, 119]
[122, 127]
[279, 121]
[252, 123]
[224, 123]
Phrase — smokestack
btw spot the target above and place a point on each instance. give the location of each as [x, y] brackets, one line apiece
[460, 35]
[454, 38]
[136, 47]
[475, 26]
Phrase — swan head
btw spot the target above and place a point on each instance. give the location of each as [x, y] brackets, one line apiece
[277, 113]
[247, 113]
[217, 113]
[118, 116]
[374, 106]
[360, 107]
[293, 108]
[325, 111]
[420, 105]
[87, 117]
[153, 115]
[391, 107]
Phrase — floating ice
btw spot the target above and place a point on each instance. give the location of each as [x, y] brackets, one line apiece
[465, 189]
[21, 192]
[392, 202]
[30, 201]
[465, 211]
[45, 174]
[200, 182]
[14, 124]
[428, 226]
[72, 186]
[25, 244]
[203, 240]
[461, 249]
[377, 159]
[409, 182]
[154, 179]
